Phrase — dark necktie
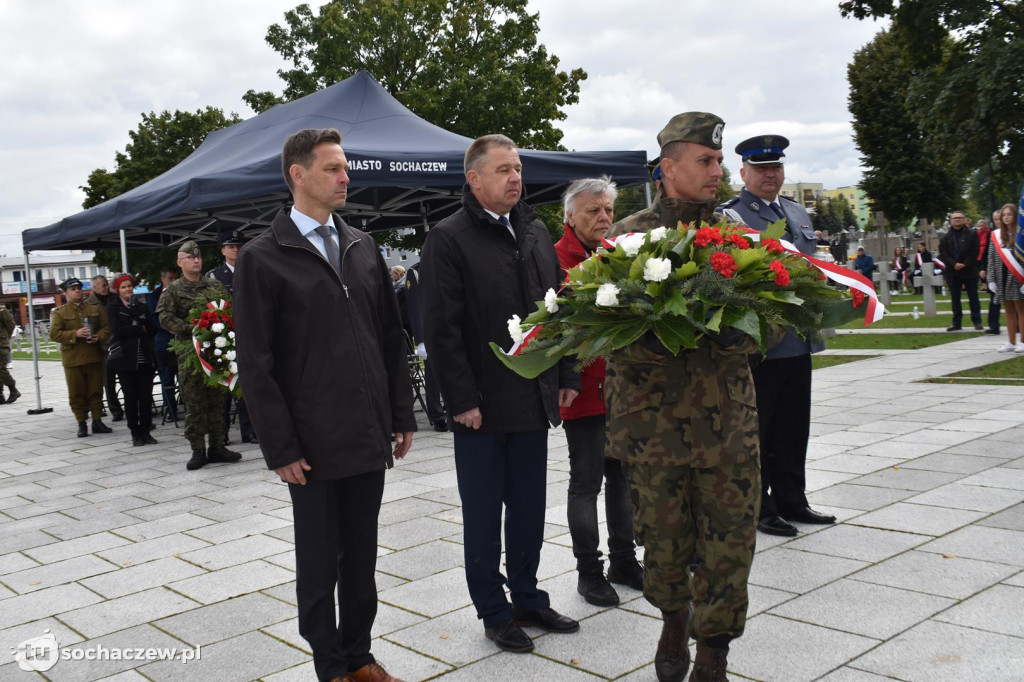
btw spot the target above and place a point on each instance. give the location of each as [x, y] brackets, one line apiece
[504, 221]
[333, 253]
[777, 209]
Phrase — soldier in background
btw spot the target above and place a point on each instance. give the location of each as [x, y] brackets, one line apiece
[783, 378]
[81, 330]
[230, 245]
[204, 404]
[101, 296]
[6, 331]
[685, 428]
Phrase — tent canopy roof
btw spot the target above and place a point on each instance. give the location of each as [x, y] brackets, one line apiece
[405, 172]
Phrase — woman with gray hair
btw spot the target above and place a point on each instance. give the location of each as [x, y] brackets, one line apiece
[589, 206]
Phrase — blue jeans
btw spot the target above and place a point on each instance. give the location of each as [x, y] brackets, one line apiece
[955, 286]
[587, 468]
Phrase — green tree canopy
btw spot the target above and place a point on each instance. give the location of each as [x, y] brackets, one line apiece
[470, 66]
[966, 60]
[903, 177]
[161, 142]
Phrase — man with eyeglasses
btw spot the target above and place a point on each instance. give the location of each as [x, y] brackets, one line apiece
[959, 249]
[203, 404]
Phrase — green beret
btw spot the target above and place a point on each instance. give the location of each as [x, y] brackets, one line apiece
[190, 248]
[693, 126]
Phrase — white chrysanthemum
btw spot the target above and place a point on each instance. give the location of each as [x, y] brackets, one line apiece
[551, 301]
[607, 294]
[514, 330]
[206, 344]
[231, 335]
[630, 243]
[657, 269]
[233, 367]
[230, 355]
[658, 233]
[218, 351]
[217, 327]
[220, 342]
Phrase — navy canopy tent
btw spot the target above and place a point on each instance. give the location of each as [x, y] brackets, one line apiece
[405, 172]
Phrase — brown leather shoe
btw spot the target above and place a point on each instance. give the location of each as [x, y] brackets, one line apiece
[672, 660]
[709, 665]
[373, 672]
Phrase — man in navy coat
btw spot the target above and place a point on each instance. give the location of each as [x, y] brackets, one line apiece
[783, 378]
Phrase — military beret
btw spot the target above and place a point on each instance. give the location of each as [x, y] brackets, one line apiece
[229, 238]
[70, 282]
[693, 126]
[763, 149]
[190, 247]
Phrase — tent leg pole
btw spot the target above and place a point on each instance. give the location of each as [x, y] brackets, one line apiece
[647, 193]
[39, 409]
[124, 254]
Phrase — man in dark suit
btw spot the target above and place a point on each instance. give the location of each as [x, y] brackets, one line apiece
[230, 245]
[958, 249]
[322, 356]
[783, 378]
[483, 265]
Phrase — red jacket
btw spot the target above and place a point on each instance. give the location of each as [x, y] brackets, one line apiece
[983, 234]
[591, 398]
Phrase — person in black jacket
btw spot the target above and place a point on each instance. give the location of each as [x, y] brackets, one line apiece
[491, 260]
[322, 360]
[132, 357]
[958, 249]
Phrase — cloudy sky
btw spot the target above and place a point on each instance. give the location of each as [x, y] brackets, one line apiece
[79, 75]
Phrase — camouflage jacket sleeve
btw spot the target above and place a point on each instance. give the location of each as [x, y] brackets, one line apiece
[7, 320]
[173, 317]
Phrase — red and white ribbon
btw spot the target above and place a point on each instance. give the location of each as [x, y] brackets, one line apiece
[1006, 255]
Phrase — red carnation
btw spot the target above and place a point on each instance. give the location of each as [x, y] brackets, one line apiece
[858, 298]
[781, 273]
[708, 235]
[738, 241]
[772, 245]
[723, 264]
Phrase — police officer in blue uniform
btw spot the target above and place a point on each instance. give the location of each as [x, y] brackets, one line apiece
[230, 245]
[783, 377]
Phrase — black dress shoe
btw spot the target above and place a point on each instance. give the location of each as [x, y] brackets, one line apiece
[773, 525]
[99, 427]
[596, 589]
[441, 425]
[954, 328]
[118, 417]
[83, 429]
[993, 332]
[545, 619]
[251, 438]
[509, 637]
[978, 327]
[148, 439]
[137, 442]
[629, 573]
[808, 515]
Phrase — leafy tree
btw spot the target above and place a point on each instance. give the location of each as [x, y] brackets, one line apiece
[470, 66]
[833, 215]
[161, 142]
[967, 59]
[902, 178]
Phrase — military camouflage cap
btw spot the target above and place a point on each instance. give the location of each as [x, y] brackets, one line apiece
[70, 282]
[693, 126]
[190, 248]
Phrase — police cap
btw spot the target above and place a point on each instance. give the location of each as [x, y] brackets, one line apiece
[231, 238]
[693, 126]
[190, 248]
[763, 149]
[70, 282]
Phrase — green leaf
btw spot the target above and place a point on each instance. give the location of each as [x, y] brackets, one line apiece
[675, 304]
[775, 230]
[688, 269]
[746, 258]
[837, 313]
[749, 324]
[529, 365]
[627, 334]
[636, 270]
[714, 324]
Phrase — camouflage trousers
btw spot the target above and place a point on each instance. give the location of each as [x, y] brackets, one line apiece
[204, 407]
[683, 515]
[5, 374]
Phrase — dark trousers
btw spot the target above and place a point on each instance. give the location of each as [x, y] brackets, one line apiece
[587, 468]
[495, 470]
[137, 385]
[994, 308]
[244, 423]
[168, 376]
[110, 386]
[784, 419]
[435, 410]
[336, 549]
[955, 286]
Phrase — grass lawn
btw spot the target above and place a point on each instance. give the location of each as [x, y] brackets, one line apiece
[25, 355]
[819, 361]
[904, 322]
[1009, 372]
[894, 341]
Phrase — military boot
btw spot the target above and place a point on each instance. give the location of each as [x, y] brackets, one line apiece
[710, 664]
[99, 427]
[198, 460]
[15, 394]
[673, 657]
[83, 429]
[219, 453]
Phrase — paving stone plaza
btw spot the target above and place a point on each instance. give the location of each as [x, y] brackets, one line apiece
[108, 546]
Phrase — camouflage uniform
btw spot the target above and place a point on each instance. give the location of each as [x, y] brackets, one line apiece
[6, 329]
[685, 428]
[204, 404]
[82, 360]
